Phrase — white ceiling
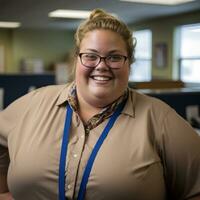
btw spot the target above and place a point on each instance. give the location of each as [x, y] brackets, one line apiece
[34, 13]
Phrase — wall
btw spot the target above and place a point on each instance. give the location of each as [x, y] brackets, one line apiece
[49, 45]
[163, 30]
[6, 42]
[52, 45]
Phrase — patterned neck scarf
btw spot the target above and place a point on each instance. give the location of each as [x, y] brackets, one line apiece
[102, 115]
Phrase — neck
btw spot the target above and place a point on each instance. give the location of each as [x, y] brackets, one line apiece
[86, 110]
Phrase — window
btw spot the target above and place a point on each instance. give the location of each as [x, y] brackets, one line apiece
[189, 55]
[141, 68]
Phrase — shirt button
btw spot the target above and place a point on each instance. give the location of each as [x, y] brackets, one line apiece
[69, 187]
[75, 155]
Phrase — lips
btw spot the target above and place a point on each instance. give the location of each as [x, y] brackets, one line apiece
[101, 78]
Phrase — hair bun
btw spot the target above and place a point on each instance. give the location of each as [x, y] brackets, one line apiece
[98, 13]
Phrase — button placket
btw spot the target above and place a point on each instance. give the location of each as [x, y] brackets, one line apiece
[69, 186]
[75, 155]
[74, 159]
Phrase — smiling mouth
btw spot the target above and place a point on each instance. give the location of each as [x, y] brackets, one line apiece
[101, 78]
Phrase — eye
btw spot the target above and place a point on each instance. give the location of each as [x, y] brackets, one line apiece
[115, 58]
[90, 56]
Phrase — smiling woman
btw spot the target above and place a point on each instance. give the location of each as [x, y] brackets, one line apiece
[98, 82]
[95, 138]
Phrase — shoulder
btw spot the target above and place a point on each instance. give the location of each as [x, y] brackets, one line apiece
[46, 94]
[49, 90]
[50, 95]
[143, 102]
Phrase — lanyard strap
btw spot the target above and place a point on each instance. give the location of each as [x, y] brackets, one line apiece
[92, 156]
[63, 153]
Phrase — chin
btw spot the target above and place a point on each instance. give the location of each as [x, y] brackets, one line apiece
[101, 95]
[106, 97]
[101, 91]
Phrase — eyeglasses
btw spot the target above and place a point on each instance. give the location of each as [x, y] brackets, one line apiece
[91, 60]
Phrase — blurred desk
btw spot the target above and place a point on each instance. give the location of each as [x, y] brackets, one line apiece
[157, 84]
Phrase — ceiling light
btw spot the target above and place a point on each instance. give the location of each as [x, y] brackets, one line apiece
[196, 30]
[163, 2]
[75, 14]
[9, 24]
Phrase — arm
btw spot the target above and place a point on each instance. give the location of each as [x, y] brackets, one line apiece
[8, 120]
[180, 147]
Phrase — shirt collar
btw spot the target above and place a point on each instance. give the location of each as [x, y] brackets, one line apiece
[129, 108]
[63, 96]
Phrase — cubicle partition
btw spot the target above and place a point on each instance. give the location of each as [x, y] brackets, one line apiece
[13, 86]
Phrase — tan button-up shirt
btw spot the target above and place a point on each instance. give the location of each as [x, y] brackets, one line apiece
[149, 154]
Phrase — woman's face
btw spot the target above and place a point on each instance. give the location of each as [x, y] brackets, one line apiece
[101, 85]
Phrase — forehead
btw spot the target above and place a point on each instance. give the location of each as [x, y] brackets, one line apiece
[103, 40]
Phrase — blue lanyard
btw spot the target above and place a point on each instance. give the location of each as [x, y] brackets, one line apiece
[92, 156]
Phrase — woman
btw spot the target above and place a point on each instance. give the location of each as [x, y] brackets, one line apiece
[116, 143]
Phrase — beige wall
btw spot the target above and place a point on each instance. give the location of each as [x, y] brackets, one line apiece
[49, 45]
[163, 32]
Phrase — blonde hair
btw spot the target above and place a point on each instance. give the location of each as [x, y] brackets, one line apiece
[99, 19]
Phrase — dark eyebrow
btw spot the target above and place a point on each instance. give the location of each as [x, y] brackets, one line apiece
[114, 51]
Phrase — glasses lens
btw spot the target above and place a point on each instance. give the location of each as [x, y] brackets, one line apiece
[115, 61]
[92, 60]
[89, 59]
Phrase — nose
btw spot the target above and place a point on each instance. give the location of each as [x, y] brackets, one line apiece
[102, 64]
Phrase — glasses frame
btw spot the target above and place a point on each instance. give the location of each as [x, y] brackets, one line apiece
[100, 59]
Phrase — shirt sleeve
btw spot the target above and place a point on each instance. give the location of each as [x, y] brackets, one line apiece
[8, 120]
[180, 151]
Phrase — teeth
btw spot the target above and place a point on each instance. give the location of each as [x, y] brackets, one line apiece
[101, 78]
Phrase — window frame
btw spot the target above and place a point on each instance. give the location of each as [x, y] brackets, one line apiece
[142, 59]
[181, 58]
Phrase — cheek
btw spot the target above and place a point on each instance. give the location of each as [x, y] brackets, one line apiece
[127, 71]
[123, 74]
[82, 71]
